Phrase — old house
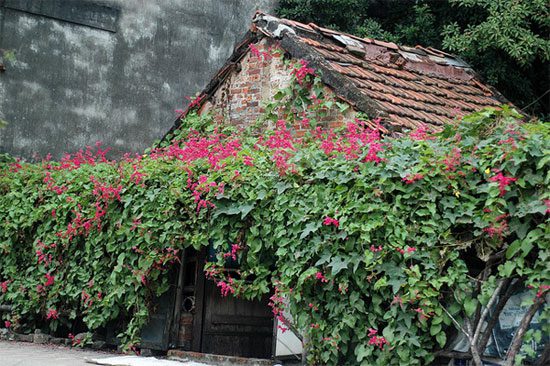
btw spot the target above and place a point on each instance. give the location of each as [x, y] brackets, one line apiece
[407, 87]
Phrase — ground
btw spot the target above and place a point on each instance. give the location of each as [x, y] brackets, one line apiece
[30, 354]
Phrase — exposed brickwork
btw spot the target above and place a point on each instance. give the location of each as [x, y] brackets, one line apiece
[241, 97]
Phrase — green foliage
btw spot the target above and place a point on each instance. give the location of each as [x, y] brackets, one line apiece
[333, 13]
[511, 26]
[374, 242]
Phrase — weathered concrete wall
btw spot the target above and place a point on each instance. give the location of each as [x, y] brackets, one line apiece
[111, 71]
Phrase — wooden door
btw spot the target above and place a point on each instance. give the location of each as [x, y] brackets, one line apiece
[235, 327]
[228, 325]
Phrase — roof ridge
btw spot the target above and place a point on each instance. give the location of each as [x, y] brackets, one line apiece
[367, 40]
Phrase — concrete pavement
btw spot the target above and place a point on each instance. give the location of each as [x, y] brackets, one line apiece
[30, 354]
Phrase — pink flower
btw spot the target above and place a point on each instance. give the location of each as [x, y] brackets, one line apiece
[452, 160]
[410, 179]
[247, 160]
[49, 280]
[259, 54]
[397, 300]
[330, 221]
[302, 72]
[195, 101]
[419, 134]
[378, 342]
[233, 253]
[226, 288]
[411, 249]
[52, 314]
[321, 277]
[372, 332]
[542, 290]
[375, 249]
[7, 324]
[503, 182]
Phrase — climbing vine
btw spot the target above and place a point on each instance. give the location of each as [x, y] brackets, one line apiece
[382, 248]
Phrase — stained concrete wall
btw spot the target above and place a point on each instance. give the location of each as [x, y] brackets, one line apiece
[81, 71]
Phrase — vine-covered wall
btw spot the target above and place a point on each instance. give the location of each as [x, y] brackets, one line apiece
[385, 247]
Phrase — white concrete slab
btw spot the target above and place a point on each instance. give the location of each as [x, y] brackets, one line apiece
[140, 361]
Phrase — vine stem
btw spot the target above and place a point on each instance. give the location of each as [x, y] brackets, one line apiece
[484, 338]
[468, 333]
[522, 328]
[492, 300]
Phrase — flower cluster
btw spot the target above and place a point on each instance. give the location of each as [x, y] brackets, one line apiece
[277, 305]
[42, 256]
[321, 277]
[302, 72]
[331, 221]
[503, 182]
[411, 178]
[499, 227]
[52, 314]
[235, 248]
[357, 137]
[226, 288]
[375, 340]
[262, 55]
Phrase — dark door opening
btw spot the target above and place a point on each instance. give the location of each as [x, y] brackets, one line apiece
[228, 325]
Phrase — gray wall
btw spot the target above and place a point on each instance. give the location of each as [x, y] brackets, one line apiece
[111, 71]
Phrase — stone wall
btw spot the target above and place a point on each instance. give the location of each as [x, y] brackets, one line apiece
[81, 71]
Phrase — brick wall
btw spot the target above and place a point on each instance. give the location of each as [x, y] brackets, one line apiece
[240, 98]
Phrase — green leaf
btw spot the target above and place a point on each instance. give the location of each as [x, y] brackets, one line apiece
[310, 228]
[470, 306]
[338, 264]
[435, 329]
[441, 339]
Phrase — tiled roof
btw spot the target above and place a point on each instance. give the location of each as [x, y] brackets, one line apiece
[408, 87]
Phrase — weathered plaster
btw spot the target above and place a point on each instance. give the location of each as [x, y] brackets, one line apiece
[71, 85]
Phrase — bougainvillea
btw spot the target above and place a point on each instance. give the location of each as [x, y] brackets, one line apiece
[365, 239]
